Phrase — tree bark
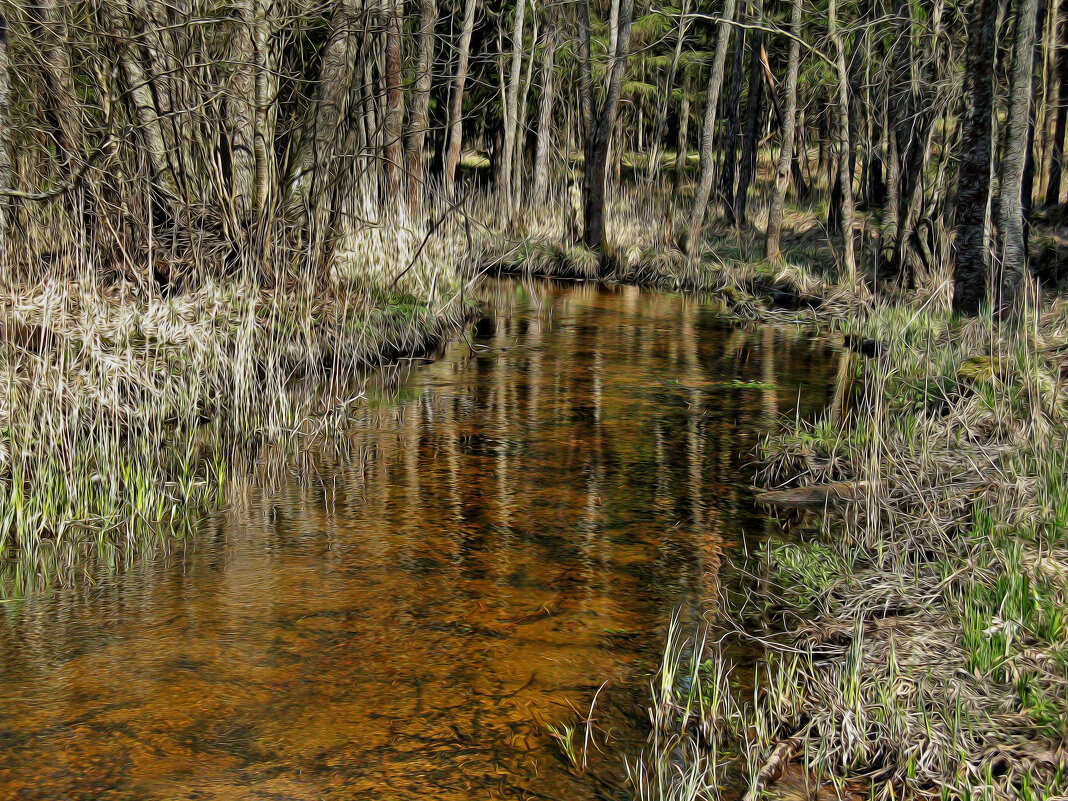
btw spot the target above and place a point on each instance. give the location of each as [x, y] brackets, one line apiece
[456, 101]
[754, 113]
[1012, 253]
[715, 83]
[7, 177]
[786, 149]
[605, 118]
[732, 112]
[656, 148]
[393, 124]
[845, 176]
[1056, 169]
[511, 103]
[241, 104]
[682, 148]
[417, 126]
[545, 116]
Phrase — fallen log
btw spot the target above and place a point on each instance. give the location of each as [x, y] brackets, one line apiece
[773, 768]
[816, 496]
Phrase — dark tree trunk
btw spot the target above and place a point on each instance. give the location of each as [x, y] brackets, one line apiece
[605, 119]
[1053, 188]
[731, 122]
[1012, 252]
[973, 181]
[754, 116]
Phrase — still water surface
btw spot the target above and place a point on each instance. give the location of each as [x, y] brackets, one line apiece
[403, 617]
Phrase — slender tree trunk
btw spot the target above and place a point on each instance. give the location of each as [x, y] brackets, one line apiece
[1013, 266]
[393, 124]
[7, 177]
[519, 155]
[732, 112]
[754, 115]
[144, 104]
[511, 108]
[1056, 169]
[715, 83]
[456, 101]
[786, 149]
[682, 149]
[545, 116]
[242, 110]
[585, 70]
[845, 177]
[420, 106]
[1027, 192]
[973, 178]
[662, 109]
[597, 151]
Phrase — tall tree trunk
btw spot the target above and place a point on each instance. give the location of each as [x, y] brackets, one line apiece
[242, 110]
[786, 149]
[732, 113]
[511, 108]
[7, 178]
[1012, 253]
[585, 70]
[682, 148]
[1056, 169]
[456, 100]
[144, 104]
[973, 177]
[519, 154]
[754, 115]
[605, 118]
[845, 176]
[393, 124]
[715, 83]
[312, 179]
[1027, 192]
[656, 148]
[545, 115]
[420, 106]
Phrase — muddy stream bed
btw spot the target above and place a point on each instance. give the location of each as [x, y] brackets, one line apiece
[403, 617]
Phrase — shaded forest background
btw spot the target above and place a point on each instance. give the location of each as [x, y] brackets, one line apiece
[153, 142]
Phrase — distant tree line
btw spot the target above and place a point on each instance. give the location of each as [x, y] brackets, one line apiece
[246, 134]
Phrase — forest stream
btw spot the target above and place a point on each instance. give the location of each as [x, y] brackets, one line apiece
[505, 530]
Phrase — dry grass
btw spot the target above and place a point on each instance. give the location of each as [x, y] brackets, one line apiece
[124, 411]
[915, 641]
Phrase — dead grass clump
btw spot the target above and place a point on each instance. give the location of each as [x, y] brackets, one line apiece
[124, 412]
[918, 640]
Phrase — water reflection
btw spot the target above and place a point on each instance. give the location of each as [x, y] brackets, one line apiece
[401, 616]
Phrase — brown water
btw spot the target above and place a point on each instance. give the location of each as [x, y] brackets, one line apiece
[404, 617]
